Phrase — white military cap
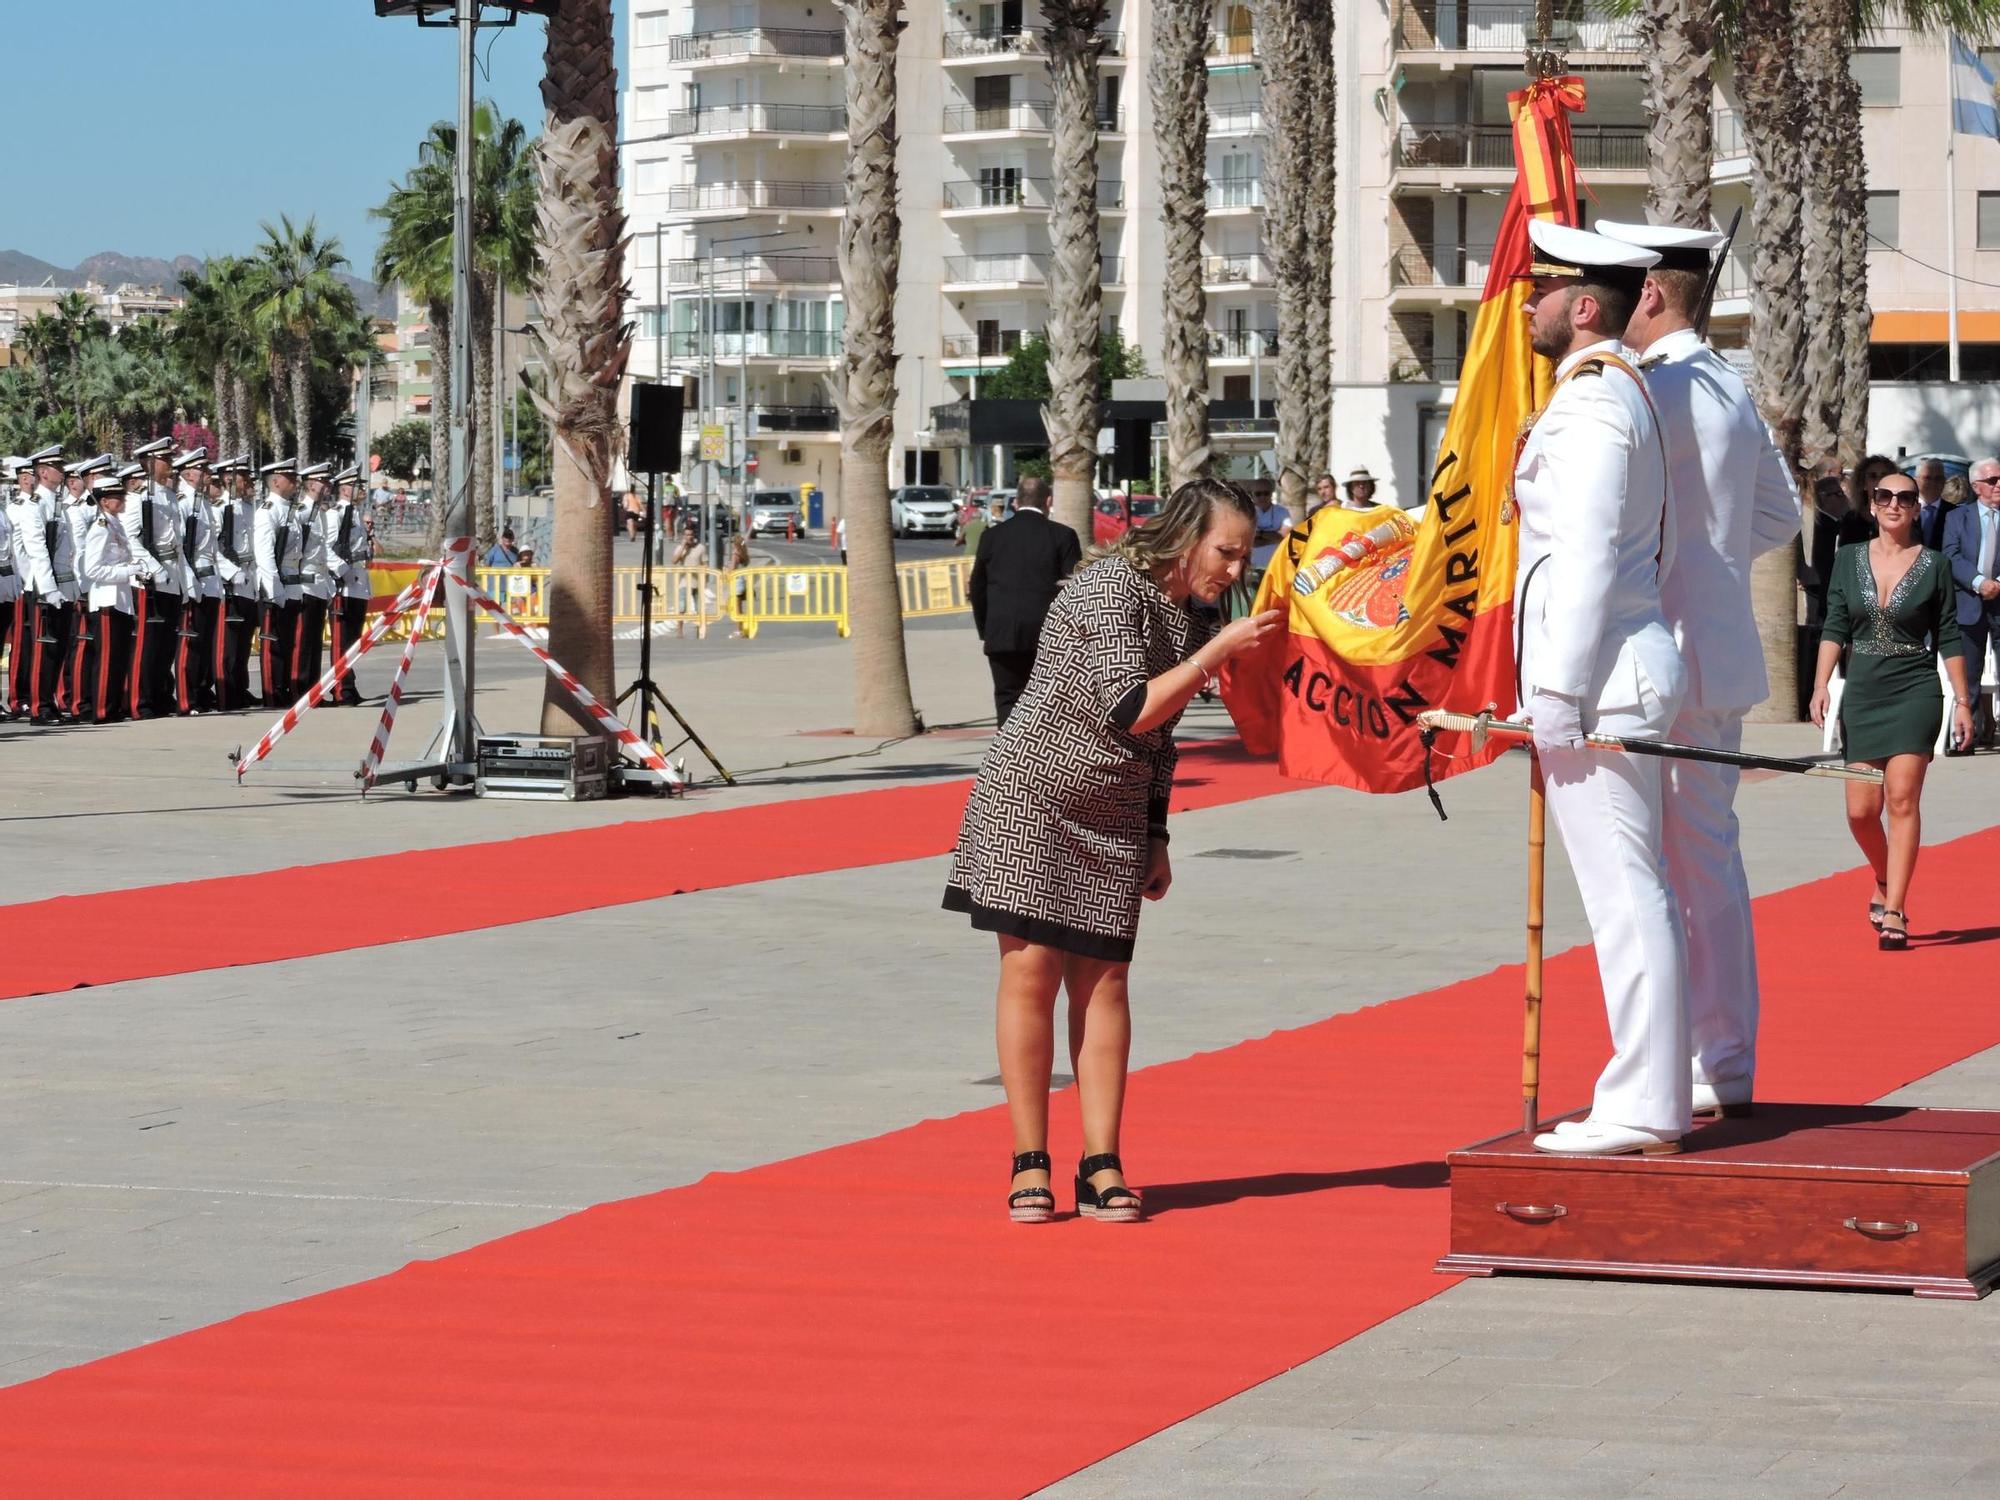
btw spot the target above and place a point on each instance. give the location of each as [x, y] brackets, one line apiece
[280, 466]
[83, 468]
[315, 471]
[237, 464]
[348, 475]
[195, 457]
[1563, 251]
[131, 471]
[154, 449]
[107, 484]
[1680, 249]
[49, 455]
[13, 464]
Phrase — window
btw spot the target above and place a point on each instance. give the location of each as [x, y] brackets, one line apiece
[1989, 221]
[652, 104]
[1879, 72]
[651, 30]
[1884, 214]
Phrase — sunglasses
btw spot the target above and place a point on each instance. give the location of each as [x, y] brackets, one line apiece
[1893, 497]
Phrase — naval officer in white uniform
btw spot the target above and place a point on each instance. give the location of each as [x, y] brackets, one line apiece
[1732, 502]
[1596, 654]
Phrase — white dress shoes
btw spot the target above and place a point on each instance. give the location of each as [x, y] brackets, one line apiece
[1595, 1138]
[1727, 1100]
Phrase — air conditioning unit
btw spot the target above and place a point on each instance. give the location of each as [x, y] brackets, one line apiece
[792, 455]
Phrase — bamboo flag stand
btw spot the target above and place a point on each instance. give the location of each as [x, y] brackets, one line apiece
[1531, 1019]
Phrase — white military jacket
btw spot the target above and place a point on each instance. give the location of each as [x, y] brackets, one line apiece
[321, 580]
[198, 543]
[1596, 537]
[236, 547]
[51, 554]
[153, 522]
[348, 547]
[77, 516]
[109, 565]
[280, 549]
[1732, 501]
[19, 504]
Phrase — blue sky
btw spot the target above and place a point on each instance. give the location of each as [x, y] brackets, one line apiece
[166, 130]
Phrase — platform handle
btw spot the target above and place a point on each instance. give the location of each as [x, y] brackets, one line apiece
[1882, 1229]
[1543, 1213]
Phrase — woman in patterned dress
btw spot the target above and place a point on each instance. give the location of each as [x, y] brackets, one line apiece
[1066, 831]
[1889, 604]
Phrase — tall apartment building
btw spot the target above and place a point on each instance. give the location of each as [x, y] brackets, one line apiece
[735, 133]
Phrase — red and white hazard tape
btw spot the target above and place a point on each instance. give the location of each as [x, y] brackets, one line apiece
[380, 744]
[376, 630]
[606, 720]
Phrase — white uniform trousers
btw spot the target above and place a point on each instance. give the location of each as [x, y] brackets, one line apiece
[1705, 863]
[1607, 811]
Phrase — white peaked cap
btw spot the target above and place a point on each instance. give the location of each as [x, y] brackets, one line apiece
[1577, 252]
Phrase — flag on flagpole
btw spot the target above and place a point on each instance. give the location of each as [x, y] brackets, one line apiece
[1973, 109]
[1422, 617]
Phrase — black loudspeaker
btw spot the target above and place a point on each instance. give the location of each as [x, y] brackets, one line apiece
[1133, 454]
[655, 446]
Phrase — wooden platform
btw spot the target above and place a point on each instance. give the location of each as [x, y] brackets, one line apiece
[1813, 1194]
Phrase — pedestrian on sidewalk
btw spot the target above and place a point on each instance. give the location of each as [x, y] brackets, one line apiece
[1066, 830]
[1016, 570]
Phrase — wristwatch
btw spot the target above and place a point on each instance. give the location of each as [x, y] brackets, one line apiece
[1963, 702]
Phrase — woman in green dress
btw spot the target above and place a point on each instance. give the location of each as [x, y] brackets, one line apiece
[1889, 607]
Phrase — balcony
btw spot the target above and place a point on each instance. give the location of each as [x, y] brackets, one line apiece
[1030, 268]
[1021, 117]
[758, 343]
[827, 120]
[1243, 343]
[1026, 194]
[982, 349]
[1455, 266]
[1484, 148]
[777, 197]
[1425, 369]
[1226, 120]
[1507, 29]
[1232, 49]
[755, 42]
[1220, 272]
[986, 46]
[786, 421]
[730, 272]
[1235, 195]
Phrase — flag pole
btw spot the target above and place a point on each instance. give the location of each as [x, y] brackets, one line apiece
[1951, 205]
[1531, 1010]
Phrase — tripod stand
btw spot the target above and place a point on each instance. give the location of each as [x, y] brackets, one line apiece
[648, 691]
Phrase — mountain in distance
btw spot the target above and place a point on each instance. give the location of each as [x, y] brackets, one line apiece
[110, 268]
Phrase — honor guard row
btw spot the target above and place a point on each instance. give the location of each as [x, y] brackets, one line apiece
[1646, 487]
[135, 590]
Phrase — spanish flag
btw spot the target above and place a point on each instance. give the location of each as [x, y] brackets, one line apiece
[1422, 614]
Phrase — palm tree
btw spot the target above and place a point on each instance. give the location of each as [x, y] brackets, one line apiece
[1679, 42]
[415, 252]
[1071, 35]
[1178, 78]
[1285, 37]
[206, 335]
[1322, 100]
[297, 287]
[864, 384]
[583, 339]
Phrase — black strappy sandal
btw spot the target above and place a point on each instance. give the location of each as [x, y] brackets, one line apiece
[1875, 910]
[1893, 939]
[1031, 1205]
[1114, 1205]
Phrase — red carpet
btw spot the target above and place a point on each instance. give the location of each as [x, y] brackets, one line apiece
[863, 1322]
[353, 903]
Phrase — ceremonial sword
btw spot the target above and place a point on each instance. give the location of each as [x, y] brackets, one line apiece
[1483, 725]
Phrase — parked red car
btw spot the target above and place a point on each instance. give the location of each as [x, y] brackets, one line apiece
[1114, 515]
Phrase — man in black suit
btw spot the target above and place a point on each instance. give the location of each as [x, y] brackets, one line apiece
[1019, 566]
[1932, 507]
[1972, 547]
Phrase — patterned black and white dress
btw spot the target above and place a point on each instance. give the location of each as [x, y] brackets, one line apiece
[1054, 844]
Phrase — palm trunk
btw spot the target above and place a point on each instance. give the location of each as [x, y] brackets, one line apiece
[1821, 57]
[301, 376]
[225, 431]
[1678, 37]
[1851, 195]
[1323, 183]
[440, 328]
[1178, 77]
[480, 416]
[244, 413]
[1076, 291]
[1285, 37]
[583, 340]
[864, 383]
[1769, 87]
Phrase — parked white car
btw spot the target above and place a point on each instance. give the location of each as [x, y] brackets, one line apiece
[923, 510]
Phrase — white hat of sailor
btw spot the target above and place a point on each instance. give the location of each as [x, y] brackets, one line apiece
[49, 455]
[1680, 249]
[158, 448]
[195, 458]
[280, 466]
[1564, 251]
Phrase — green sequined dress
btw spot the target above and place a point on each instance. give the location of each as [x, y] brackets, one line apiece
[1893, 704]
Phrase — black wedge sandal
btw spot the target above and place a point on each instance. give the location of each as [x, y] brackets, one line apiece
[1893, 939]
[1117, 1204]
[1031, 1205]
[1875, 910]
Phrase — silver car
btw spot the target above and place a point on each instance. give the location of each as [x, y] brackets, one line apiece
[775, 510]
[923, 510]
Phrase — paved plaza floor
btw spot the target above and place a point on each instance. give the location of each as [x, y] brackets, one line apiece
[183, 1149]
